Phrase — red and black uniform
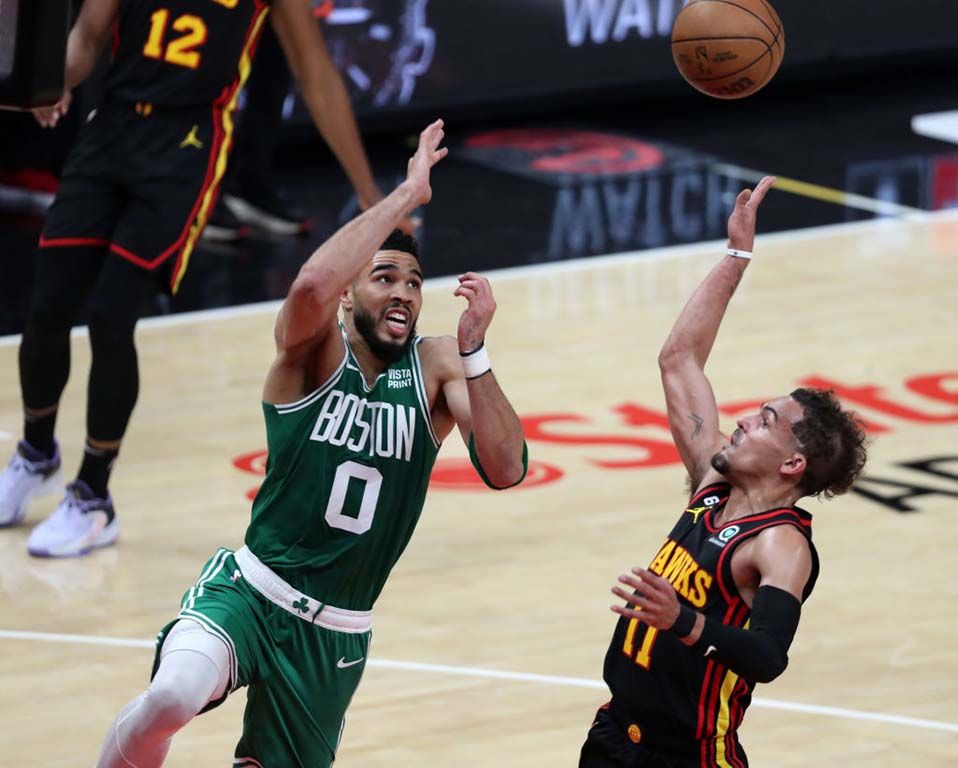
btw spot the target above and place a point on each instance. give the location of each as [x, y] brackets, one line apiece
[144, 174]
[133, 198]
[671, 706]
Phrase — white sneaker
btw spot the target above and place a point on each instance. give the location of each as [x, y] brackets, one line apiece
[80, 524]
[28, 474]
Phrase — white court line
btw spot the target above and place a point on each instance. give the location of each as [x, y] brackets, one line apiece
[937, 125]
[548, 268]
[819, 192]
[522, 677]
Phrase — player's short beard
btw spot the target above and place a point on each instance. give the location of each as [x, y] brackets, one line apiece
[720, 463]
[386, 351]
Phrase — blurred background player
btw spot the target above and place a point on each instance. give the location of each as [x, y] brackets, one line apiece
[135, 194]
[718, 607]
[355, 414]
[381, 49]
[250, 192]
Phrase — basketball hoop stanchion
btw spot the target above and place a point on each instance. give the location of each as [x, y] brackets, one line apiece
[33, 45]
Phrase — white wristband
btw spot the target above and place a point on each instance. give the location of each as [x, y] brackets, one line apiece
[739, 254]
[475, 363]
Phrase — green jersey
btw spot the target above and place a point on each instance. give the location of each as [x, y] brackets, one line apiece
[346, 479]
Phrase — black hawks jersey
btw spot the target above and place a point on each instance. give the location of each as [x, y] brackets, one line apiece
[671, 699]
[184, 53]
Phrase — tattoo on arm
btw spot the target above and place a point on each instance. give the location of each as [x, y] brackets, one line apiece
[698, 424]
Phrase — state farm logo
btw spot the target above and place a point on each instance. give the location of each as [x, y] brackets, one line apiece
[447, 474]
[460, 475]
[559, 154]
[639, 438]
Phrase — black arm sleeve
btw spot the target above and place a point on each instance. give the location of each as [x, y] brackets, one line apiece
[759, 653]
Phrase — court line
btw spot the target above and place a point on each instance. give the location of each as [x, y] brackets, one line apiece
[819, 192]
[546, 268]
[937, 125]
[522, 677]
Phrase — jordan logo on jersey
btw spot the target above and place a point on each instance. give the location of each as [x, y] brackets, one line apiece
[374, 428]
[708, 501]
[191, 140]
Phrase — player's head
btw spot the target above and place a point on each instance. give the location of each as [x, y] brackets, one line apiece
[805, 440]
[384, 300]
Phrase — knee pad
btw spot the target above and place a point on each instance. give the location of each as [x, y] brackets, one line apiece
[194, 671]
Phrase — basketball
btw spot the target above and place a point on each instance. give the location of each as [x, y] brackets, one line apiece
[728, 49]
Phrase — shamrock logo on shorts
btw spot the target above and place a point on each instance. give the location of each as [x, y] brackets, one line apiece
[301, 605]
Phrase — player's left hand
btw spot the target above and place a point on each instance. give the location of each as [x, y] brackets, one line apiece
[48, 117]
[655, 604]
[482, 306]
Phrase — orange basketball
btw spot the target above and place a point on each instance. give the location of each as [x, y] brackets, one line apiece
[728, 48]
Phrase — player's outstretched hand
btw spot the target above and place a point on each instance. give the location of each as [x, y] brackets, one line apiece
[477, 316]
[48, 117]
[655, 603]
[741, 224]
[420, 164]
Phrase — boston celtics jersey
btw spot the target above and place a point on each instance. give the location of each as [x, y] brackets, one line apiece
[183, 53]
[671, 699]
[346, 478]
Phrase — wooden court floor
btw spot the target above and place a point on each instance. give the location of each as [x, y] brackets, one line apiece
[489, 638]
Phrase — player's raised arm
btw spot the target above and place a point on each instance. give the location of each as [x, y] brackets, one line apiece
[309, 312]
[325, 96]
[693, 414]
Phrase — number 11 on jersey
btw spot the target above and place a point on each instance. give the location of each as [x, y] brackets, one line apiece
[643, 657]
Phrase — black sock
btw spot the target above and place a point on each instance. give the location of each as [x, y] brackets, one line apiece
[96, 467]
[38, 431]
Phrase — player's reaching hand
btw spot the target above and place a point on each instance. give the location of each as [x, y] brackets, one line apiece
[655, 603]
[741, 224]
[48, 117]
[477, 316]
[420, 164]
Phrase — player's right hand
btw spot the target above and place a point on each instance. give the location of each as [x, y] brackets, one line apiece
[48, 117]
[420, 164]
[741, 223]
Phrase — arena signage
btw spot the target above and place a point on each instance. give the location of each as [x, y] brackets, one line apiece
[640, 439]
[410, 56]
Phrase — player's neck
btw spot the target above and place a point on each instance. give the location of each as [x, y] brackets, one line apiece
[371, 366]
[751, 499]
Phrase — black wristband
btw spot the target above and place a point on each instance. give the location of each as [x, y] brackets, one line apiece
[685, 622]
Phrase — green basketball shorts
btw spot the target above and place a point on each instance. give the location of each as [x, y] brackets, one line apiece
[301, 660]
